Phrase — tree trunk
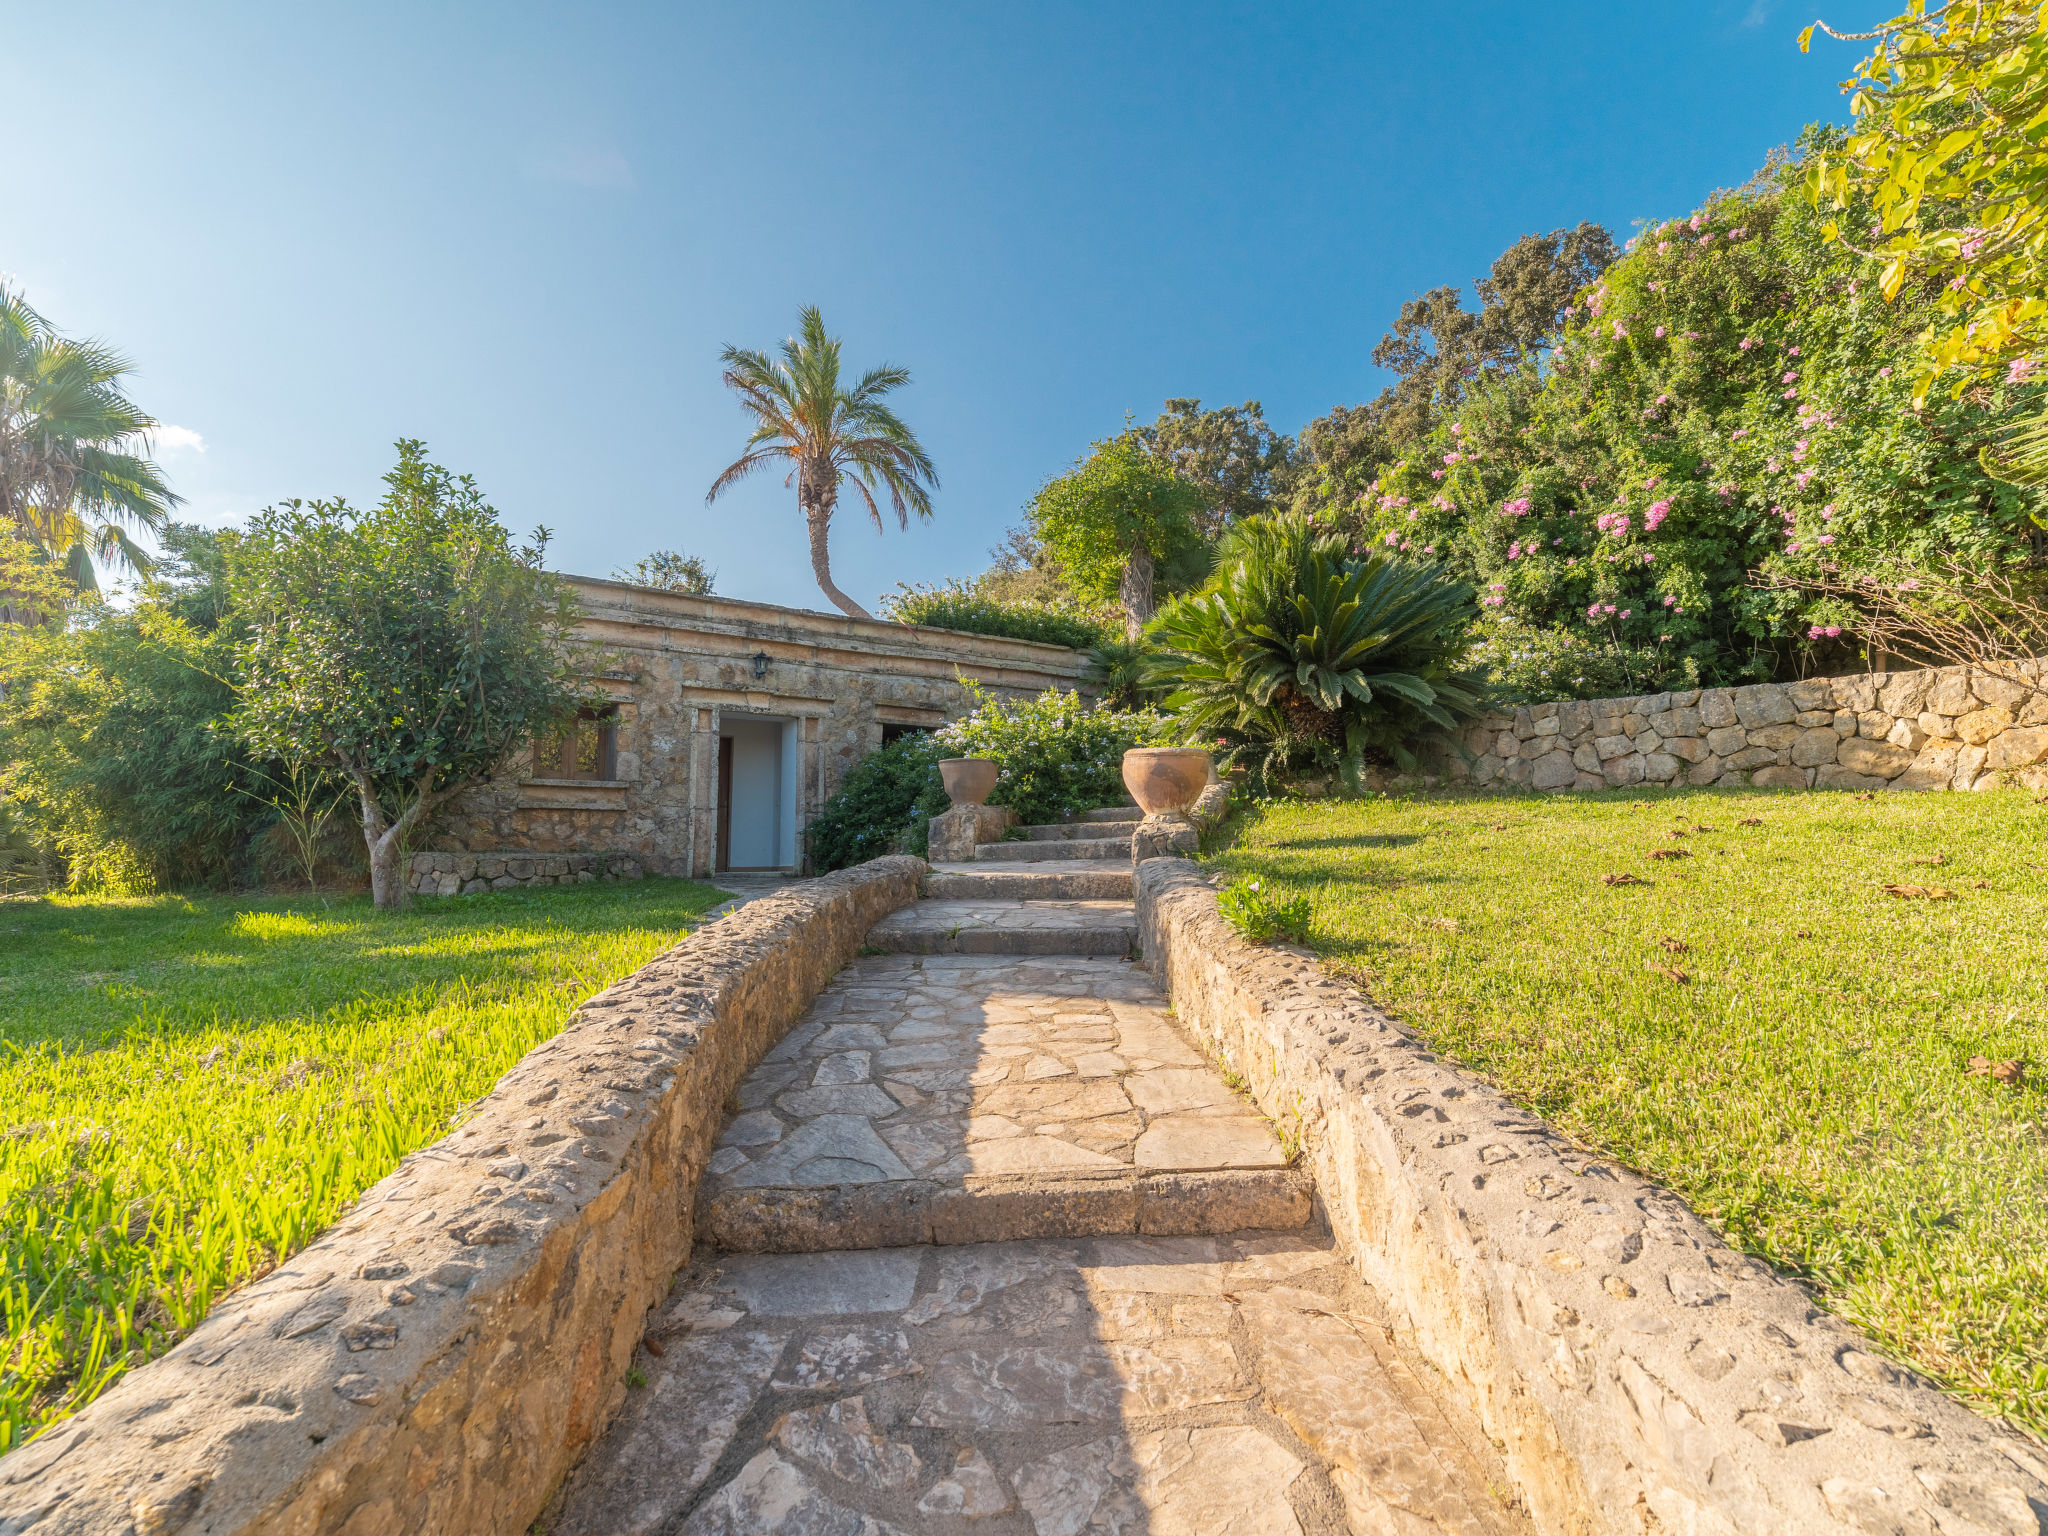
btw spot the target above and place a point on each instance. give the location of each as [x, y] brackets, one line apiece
[817, 493]
[1135, 591]
[382, 839]
[387, 878]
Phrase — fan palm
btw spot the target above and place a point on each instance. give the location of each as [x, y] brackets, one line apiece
[1298, 642]
[825, 433]
[67, 482]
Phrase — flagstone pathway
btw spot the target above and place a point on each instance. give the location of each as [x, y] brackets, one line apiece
[988, 1246]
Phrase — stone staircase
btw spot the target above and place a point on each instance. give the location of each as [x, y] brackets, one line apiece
[1100, 834]
[988, 1240]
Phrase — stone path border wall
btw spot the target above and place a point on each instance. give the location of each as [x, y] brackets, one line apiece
[1638, 1373]
[440, 1359]
[467, 874]
[1956, 728]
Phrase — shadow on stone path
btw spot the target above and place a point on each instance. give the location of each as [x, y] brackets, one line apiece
[1238, 1384]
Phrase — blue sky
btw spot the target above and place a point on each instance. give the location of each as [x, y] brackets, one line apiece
[523, 232]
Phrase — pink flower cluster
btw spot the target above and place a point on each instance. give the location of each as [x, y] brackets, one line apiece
[1652, 519]
[2021, 369]
[1597, 609]
[1613, 523]
[1816, 631]
[1519, 507]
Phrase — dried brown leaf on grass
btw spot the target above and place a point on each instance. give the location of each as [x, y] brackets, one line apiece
[1936, 859]
[1623, 880]
[2011, 1073]
[1751, 821]
[1671, 973]
[1670, 853]
[1918, 892]
[1676, 946]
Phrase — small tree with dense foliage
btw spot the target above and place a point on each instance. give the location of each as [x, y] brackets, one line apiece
[668, 571]
[410, 647]
[1302, 647]
[1111, 519]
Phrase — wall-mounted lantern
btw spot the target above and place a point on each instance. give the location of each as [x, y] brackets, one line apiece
[760, 665]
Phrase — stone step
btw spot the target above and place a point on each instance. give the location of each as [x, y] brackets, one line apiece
[1043, 880]
[971, 1099]
[1009, 928]
[782, 1391]
[1069, 831]
[1114, 813]
[1065, 848]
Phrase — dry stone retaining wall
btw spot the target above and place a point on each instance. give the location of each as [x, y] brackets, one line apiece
[467, 874]
[1955, 728]
[439, 1360]
[1639, 1374]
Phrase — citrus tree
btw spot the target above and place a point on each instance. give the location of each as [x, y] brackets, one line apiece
[410, 648]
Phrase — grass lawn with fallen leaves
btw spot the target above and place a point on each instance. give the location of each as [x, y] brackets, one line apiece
[192, 1089]
[1822, 1018]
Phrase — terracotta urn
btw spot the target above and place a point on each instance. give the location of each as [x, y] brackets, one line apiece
[969, 779]
[1163, 779]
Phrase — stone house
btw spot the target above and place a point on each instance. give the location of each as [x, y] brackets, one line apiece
[728, 725]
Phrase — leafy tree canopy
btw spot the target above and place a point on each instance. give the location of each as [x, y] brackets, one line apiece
[1238, 463]
[1944, 178]
[409, 647]
[668, 571]
[1112, 517]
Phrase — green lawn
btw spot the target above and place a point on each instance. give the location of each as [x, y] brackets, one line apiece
[1806, 1085]
[191, 1089]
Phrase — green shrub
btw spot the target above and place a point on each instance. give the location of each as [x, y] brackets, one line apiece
[116, 764]
[1531, 663]
[1261, 918]
[1315, 651]
[955, 606]
[883, 805]
[1730, 402]
[1059, 757]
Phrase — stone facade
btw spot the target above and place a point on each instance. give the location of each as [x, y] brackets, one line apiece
[1955, 728]
[439, 1360]
[1638, 1373]
[680, 671]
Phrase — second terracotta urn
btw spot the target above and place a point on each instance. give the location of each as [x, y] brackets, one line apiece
[1166, 779]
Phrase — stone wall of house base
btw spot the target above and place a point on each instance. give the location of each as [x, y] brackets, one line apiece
[1955, 728]
[439, 1360]
[467, 874]
[1639, 1374]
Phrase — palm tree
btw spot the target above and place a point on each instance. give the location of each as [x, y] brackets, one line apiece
[67, 483]
[826, 433]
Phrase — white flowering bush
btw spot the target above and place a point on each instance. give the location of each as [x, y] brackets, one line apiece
[1059, 755]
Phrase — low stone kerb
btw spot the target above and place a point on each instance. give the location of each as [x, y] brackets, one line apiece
[1639, 1372]
[439, 1360]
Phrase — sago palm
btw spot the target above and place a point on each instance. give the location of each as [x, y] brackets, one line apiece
[68, 482]
[1298, 642]
[803, 417]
